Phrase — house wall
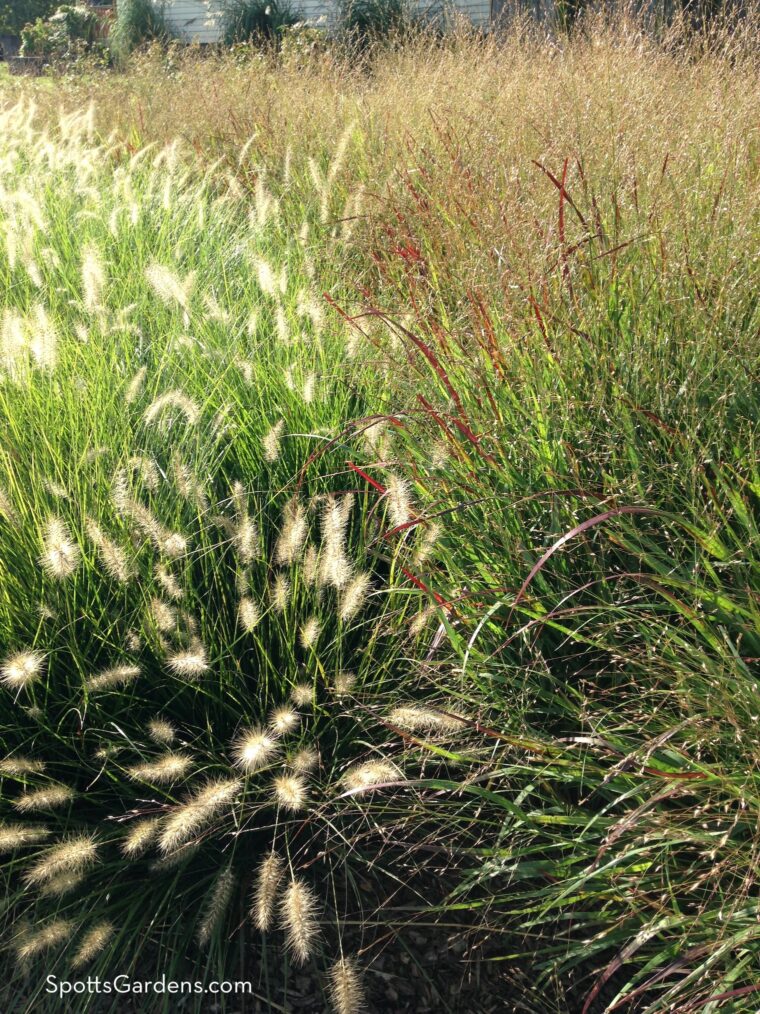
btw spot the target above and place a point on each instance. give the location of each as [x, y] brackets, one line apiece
[200, 20]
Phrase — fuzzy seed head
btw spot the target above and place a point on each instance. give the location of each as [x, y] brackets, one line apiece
[72, 855]
[119, 676]
[346, 992]
[426, 542]
[417, 718]
[168, 582]
[173, 544]
[93, 278]
[310, 566]
[353, 596]
[290, 792]
[309, 634]
[298, 915]
[344, 684]
[60, 556]
[280, 593]
[164, 769]
[172, 400]
[189, 664]
[363, 777]
[30, 943]
[302, 694]
[16, 836]
[140, 836]
[196, 811]
[254, 749]
[161, 731]
[245, 540]
[168, 286]
[47, 798]
[163, 615]
[112, 556]
[304, 760]
[268, 880]
[62, 883]
[271, 442]
[248, 614]
[21, 669]
[398, 500]
[283, 720]
[293, 534]
[20, 766]
[135, 385]
[334, 567]
[92, 943]
[216, 906]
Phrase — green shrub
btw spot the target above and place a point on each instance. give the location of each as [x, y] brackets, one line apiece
[138, 22]
[258, 20]
[363, 23]
[65, 35]
[16, 15]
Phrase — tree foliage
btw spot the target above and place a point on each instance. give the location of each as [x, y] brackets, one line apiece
[16, 14]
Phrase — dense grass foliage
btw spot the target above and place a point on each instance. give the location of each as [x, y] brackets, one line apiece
[205, 648]
[419, 401]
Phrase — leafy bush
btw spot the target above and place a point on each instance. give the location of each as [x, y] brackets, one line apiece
[15, 16]
[363, 23]
[258, 20]
[65, 35]
[138, 22]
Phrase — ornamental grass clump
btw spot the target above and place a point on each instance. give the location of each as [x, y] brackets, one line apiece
[182, 601]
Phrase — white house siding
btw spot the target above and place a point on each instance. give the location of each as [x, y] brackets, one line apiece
[194, 20]
[200, 20]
